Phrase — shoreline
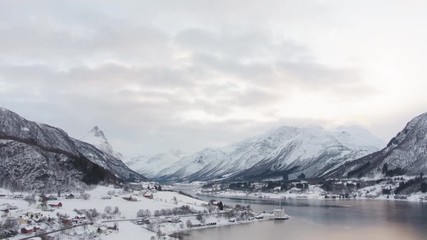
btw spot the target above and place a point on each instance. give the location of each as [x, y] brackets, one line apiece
[188, 231]
[411, 199]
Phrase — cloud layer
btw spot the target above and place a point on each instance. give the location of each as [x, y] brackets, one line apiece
[188, 74]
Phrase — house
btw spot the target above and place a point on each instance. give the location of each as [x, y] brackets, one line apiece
[52, 198]
[148, 195]
[70, 196]
[18, 195]
[135, 186]
[11, 207]
[29, 229]
[106, 197]
[130, 198]
[174, 219]
[295, 190]
[67, 221]
[115, 227]
[34, 215]
[79, 219]
[57, 205]
[23, 220]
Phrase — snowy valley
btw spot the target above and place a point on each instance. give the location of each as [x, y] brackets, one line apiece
[58, 187]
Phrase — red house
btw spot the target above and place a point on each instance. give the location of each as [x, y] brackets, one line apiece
[67, 221]
[29, 230]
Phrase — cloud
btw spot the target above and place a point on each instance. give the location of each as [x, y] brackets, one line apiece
[158, 76]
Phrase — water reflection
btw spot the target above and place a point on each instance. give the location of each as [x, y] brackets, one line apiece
[350, 220]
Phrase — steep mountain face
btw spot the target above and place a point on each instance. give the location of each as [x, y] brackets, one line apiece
[286, 150]
[151, 165]
[406, 153]
[97, 138]
[39, 156]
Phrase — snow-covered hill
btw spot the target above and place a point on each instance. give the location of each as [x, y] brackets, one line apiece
[407, 151]
[38, 156]
[312, 150]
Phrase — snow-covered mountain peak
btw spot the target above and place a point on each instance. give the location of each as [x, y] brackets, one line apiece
[357, 136]
[98, 133]
[283, 148]
[97, 138]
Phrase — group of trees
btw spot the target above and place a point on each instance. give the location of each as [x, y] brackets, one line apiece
[143, 213]
[423, 187]
[359, 171]
[240, 212]
[183, 210]
[392, 172]
[109, 210]
[241, 186]
[411, 183]
[8, 228]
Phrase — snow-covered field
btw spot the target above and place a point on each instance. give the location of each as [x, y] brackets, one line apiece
[113, 210]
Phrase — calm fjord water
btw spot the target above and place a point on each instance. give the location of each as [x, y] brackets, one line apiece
[328, 219]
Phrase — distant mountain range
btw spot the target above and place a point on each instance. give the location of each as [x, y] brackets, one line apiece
[288, 151]
[38, 156]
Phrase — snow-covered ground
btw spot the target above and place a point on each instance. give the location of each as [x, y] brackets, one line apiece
[316, 192]
[124, 218]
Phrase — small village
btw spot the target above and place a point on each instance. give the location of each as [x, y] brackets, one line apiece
[108, 212]
[385, 188]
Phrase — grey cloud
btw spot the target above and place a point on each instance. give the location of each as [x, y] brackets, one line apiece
[223, 44]
[76, 64]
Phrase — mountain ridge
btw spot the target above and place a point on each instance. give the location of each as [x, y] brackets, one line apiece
[209, 164]
[56, 159]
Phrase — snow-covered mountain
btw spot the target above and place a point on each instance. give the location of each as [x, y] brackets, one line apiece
[314, 152]
[291, 150]
[97, 138]
[407, 151]
[150, 166]
[39, 156]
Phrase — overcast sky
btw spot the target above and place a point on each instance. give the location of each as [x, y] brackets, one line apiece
[159, 75]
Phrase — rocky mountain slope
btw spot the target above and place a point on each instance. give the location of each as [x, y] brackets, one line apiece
[39, 156]
[404, 154]
[286, 150]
